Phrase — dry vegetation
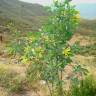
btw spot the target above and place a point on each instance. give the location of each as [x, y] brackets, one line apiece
[11, 65]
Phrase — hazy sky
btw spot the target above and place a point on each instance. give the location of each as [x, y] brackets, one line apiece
[48, 2]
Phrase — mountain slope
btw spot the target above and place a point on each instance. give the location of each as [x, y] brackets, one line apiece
[22, 13]
[30, 17]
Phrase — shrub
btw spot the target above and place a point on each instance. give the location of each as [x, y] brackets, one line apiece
[87, 87]
[48, 50]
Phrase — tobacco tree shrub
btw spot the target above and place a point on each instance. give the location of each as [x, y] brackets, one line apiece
[48, 51]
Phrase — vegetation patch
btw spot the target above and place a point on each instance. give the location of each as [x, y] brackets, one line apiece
[10, 80]
[87, 87]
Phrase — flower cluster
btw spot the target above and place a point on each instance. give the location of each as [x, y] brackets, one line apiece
[67, 52]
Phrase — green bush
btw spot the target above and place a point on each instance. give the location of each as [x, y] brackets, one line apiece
[87, 87]
[48, 50]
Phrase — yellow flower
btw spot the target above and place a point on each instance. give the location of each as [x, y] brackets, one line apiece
[39, 49]
[24, 59]
[67, 51]
[77, 16]
[33, 51]
[27, 49]
[33, 38]
[40, 55]
[46, 38]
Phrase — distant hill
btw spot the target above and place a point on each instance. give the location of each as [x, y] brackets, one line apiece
[87, 10]
[23, 14]
[87, 27]
[29, 17]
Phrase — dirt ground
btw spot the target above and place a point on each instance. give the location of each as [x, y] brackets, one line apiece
[12, 64]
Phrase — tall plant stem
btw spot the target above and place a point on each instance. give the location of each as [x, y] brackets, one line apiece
[49, 88]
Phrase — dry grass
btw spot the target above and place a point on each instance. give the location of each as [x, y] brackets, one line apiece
[15, 68]
[3, 92]
[88, 62]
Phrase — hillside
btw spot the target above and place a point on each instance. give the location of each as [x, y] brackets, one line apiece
[87, 27]
[30, 17]
[22, 14]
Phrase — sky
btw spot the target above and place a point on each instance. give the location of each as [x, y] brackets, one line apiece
[48, 2]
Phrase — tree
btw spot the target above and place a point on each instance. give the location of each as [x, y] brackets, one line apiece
[51, 52]
[48, 50]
